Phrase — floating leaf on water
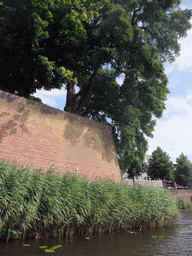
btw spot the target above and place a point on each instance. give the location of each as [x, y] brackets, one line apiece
[87, 237]
[43, 247]
[154, 236]
[26, 245]
[54, 247]
[49, 250]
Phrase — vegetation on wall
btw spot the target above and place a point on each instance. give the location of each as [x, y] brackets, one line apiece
[38, 204]
[87, 45]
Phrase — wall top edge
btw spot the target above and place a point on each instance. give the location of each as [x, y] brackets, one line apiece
[45, 109]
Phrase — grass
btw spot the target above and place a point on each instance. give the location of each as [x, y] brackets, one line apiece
[38, 204]
[182, 204]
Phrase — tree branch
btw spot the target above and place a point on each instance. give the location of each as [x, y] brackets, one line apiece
[88, 94]
[133, 22]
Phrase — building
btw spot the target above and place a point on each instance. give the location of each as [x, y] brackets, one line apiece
[143, 178]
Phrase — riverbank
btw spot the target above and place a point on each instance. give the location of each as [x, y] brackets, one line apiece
[34, 204]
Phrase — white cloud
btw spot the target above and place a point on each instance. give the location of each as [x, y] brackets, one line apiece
[173, 133]
[54, 98]
[120, 79]
[184, 61]
[178, 106]
[185, 4]
[53, 92]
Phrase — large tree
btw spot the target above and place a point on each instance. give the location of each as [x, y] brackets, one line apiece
[47, 43]
[183, 173]
[32, 35]
[160, 166]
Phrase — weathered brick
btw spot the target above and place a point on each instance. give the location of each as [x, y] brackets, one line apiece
[37, 135]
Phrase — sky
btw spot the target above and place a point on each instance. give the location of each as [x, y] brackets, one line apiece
[173, 131]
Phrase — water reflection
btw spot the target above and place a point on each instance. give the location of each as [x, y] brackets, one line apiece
[171, 240]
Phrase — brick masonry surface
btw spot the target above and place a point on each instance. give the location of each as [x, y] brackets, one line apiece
[40, 136]
[185, 194]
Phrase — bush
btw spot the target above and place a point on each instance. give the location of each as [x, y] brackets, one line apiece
[41, 204]
[182, 204]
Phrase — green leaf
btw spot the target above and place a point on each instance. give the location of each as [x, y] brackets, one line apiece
[49, 250]
[43, 247]
[54, 247]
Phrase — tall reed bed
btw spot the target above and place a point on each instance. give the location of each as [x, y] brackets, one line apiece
[38, 204]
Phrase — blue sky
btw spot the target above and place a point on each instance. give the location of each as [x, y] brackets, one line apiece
[173, 132]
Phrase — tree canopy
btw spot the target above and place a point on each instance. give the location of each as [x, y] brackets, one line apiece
[160, 166]
[87, 45]
[183, 173]
[34, 35]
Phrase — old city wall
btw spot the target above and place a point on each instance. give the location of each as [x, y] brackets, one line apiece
[40, 136]
[185, 194]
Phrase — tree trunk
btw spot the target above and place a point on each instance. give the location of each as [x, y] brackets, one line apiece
[69, 107]
[71, 104]
[87, 97]
[31, 70]
[30, 76]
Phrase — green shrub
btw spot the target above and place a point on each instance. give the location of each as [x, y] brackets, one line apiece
[42, 204]
[182, 204]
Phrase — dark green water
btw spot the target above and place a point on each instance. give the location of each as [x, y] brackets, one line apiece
[175, 239]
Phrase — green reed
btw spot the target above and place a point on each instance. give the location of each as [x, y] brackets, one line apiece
[183, 205]
[34, 203]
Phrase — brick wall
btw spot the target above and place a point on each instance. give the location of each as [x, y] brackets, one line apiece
[184, 194]
[37, 135]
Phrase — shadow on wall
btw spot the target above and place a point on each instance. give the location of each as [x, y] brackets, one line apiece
[93, 134]
[11, 126]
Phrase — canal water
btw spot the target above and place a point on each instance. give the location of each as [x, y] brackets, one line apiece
[175, 239]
